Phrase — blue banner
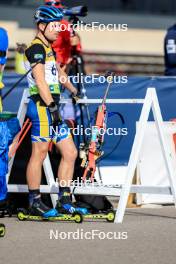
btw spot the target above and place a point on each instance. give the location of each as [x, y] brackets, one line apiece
[135, 87]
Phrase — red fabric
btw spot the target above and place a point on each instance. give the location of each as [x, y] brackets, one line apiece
[79, 48]
[62, 46]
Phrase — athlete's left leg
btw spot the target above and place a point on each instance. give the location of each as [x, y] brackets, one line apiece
[68, 156]
[65, 174]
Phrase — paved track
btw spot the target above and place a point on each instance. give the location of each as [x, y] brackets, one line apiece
[151, 240]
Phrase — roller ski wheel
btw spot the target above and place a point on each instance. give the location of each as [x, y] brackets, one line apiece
[2, 230]
[24, 215]
[111, 216]
[78, 218]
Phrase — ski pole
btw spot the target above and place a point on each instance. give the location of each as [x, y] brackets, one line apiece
[20, 80]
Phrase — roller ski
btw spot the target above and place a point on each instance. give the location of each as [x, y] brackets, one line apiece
[2, 230]
[109, 216]
[86, 214]
[40, 212]
[97, 214]
[65, 206]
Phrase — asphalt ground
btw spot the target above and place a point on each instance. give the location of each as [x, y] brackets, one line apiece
[149, 236]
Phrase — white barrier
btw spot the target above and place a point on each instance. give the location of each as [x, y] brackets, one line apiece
[146, 173]
[149, 103]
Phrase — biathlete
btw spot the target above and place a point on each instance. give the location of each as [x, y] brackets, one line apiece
[43, 112]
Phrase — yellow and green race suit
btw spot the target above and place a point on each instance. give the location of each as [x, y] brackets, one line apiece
[38, 51]
[37, 111]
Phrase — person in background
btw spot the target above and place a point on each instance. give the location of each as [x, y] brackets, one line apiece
[19, 58]
[170, 51]
[67, 45]
[4, 43]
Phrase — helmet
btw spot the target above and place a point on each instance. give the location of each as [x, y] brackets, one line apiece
[3, 39]
[47, 14]
[4, 42]
[54, 3]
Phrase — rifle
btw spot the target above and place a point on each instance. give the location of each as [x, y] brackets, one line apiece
[93, 152]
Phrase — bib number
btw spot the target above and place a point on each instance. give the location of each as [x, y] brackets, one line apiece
[53, 70]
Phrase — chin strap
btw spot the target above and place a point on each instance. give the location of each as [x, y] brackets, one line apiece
[43, 32]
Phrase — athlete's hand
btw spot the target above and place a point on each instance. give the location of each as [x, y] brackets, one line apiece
[56, 118]
[76, 97]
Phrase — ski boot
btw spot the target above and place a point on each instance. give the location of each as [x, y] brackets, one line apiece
[38, 208]
[5, 208]
[65, 206]
[40, 212]
[37, 211]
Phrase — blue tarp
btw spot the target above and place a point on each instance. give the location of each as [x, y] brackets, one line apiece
[3, 159]
[8, 130]
[135, 88]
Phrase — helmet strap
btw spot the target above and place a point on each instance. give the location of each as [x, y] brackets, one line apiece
[43, 32]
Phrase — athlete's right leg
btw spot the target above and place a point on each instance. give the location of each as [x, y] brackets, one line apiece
[34, 173]
[40, 142]
[34, 168]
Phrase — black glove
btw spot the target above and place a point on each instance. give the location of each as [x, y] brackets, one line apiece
[76, 97]
[56, 118]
